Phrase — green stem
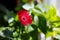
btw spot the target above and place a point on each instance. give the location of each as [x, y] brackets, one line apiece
[20, 31]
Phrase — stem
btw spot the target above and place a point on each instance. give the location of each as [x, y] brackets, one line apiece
[20, 31]
[26, 29]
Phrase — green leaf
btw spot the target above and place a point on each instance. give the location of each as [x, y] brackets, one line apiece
[15, 34]
[36, 20]
[36, 12]
[51, 14]
[14, 38]
[34, 26]
[34, 34]
[16, 18]
[24, 1]
[48, 34]
[19, 38]
[25, 36]
[28, 28]
[56, 30]
[42, 24]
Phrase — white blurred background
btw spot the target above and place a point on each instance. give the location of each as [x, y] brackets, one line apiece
[56, 3]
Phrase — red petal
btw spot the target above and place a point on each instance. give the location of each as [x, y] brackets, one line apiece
[24, 14]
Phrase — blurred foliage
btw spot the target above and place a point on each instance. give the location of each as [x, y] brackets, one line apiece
[44, 20]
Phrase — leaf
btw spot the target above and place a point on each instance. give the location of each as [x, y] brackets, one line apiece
[36, 12]
[42, 24]
[41, 7]
[28, 29]
[19, 38]
[16, 18]
[24, 1]
[1, 34]
[36, 20]
[15, 34]
[34, 34]
[11, 20]
[7, 33]
[56, 22]
[25, 36]
[56, 30]
[51, 14]
[28, 6]
[48, 34]
[57, 37]
[34, 26]
[14, 38]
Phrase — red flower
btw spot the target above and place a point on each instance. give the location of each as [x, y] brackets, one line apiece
[24, 17]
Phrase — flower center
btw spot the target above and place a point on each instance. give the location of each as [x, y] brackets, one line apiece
[23, 18]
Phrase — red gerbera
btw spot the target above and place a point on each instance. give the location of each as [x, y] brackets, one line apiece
[24, 17]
